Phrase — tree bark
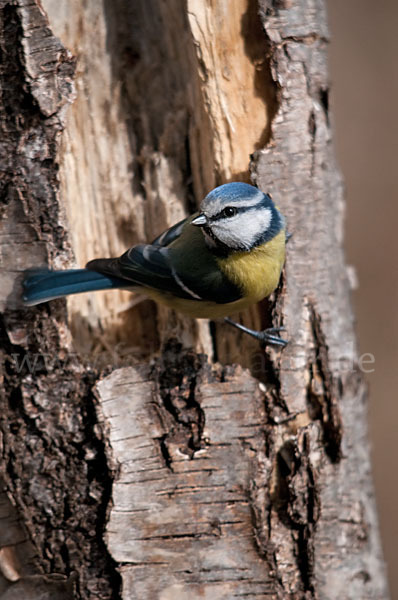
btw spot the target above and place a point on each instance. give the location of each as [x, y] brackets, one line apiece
[145, 455]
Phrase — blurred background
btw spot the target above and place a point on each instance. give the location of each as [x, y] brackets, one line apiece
[363, 59]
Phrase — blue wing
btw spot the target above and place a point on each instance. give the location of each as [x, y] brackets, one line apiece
[177, 263]
[144, 265]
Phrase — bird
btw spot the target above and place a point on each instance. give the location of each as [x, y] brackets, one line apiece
[214, 263]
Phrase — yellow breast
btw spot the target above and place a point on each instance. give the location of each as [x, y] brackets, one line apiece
[256, 272]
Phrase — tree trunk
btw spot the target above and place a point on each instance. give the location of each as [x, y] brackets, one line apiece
[133, 465]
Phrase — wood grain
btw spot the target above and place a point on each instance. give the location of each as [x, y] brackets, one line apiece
[188, 518]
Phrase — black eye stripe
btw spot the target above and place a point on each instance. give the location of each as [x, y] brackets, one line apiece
[223, 213]
[239, 210]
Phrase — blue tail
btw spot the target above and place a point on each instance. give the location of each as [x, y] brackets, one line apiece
[44, 285]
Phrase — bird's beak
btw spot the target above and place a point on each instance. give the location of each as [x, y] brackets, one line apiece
[200, 220]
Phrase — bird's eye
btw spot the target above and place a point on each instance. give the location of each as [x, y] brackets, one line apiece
[229, 211]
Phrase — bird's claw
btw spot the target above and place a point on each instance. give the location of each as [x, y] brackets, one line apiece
[266, 336]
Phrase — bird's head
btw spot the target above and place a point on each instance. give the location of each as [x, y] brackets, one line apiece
[238, 216]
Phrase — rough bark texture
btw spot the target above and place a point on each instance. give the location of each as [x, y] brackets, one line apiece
[175, 477]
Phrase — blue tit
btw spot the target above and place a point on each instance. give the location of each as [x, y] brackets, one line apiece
[210, 265]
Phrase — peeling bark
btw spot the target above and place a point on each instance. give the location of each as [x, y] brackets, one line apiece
[175, 476]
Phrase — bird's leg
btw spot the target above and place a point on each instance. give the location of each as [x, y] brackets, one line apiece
[267, 336]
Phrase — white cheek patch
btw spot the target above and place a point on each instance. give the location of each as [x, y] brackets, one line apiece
[243, 230]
